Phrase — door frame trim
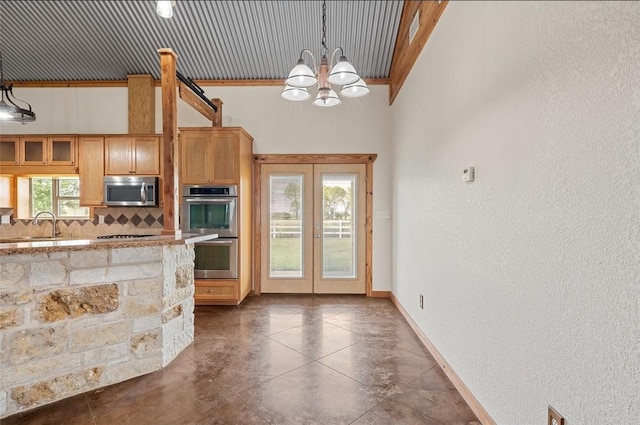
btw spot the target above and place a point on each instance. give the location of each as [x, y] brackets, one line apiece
[260, 159]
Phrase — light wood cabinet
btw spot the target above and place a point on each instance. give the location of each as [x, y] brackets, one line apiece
[61, 150]
[33, 150]
[214, 291]
[9, 150]
[211, 155]
[91, 170]
[132, 155]
[38, 150]
[221, 156]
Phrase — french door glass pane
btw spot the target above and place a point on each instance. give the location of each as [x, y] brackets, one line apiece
[338, 225]
[285, 226]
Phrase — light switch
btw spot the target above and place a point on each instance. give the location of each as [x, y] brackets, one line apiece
[384, 215]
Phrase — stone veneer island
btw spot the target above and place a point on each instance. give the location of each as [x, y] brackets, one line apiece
[80, 315]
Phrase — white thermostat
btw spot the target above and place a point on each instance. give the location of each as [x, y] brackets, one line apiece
[469, 174]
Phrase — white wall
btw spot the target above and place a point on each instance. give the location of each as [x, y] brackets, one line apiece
[531, 274]
[357, 126]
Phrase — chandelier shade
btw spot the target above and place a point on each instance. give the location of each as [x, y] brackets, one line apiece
[342, 73]
[295, 94]
[327, 98]
[301, 75]
[357, 89]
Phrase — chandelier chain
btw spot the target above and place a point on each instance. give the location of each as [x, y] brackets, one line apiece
[324, 25]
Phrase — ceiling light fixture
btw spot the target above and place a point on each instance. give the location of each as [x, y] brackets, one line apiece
[11, 111]
[342, 74]
[165, 8]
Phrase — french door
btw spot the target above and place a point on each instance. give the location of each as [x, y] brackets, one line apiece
[313, 219]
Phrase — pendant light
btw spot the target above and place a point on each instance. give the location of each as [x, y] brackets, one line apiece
[342, 74]
[9, 109]
[164, 8]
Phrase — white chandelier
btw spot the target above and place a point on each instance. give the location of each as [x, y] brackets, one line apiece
[342, 74]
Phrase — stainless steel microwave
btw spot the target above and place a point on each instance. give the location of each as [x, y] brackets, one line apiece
[131, 191]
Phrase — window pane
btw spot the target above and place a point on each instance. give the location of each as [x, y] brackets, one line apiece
[285, 226]
[69, 187]
[338, 227]
[59, 195]
[71, 208]
[41, 194]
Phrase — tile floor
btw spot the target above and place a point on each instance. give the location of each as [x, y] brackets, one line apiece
[286, 360]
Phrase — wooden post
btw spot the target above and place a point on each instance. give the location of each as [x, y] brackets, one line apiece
[217, 121]
[142, 104]
[169, 142]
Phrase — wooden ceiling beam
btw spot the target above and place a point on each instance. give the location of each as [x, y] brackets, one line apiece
[191, 99]
[158, 83]
[405, 54]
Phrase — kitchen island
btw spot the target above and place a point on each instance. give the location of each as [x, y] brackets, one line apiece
[80, 314]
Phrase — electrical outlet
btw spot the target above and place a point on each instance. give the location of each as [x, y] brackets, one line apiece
[554, 417]
[421, 302]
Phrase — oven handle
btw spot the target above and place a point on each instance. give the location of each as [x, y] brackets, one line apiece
[220, 242]
[210, 200]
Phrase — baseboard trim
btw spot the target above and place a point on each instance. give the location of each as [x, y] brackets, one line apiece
[380, 294]
[473, 403]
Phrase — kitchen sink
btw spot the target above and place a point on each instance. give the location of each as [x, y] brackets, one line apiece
[16, 239]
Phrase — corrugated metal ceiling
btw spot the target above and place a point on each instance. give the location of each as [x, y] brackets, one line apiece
[214, 40]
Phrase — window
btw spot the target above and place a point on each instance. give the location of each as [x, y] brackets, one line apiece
[60, 195]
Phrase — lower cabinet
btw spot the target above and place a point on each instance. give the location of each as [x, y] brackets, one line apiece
[216, 292]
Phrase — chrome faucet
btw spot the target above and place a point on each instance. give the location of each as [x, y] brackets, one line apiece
[54, 233]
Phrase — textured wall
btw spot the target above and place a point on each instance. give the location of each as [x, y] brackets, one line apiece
[531, 274]
[277, 126]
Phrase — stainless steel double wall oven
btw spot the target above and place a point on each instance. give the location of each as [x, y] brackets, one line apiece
[213, 209]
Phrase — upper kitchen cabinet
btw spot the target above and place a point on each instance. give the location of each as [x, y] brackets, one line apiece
[132, 155]
[211, 155]
[58, 150]
[38, 150]
[91, 170]
[9, 149]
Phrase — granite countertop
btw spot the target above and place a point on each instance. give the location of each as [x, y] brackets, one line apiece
[77, 244]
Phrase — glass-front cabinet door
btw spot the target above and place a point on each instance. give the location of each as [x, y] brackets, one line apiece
[9, 148]
[33, 151]
[62, 150]
[36, 150]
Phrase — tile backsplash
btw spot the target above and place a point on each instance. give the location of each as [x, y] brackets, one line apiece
[106, 221]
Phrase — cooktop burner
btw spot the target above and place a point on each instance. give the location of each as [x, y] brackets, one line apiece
[122, 236]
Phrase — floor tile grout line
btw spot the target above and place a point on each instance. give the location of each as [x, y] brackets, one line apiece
[269, 380]
[367, 412]
[419, 412]
[93, 417]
